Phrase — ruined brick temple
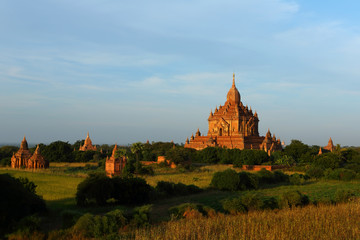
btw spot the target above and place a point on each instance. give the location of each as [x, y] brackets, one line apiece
[114, 165]
[24, 159]
[234, 126]
[88, 146]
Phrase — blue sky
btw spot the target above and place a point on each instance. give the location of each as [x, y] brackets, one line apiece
[129, 71]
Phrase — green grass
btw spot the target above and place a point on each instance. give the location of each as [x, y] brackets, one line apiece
[200, 177]
[50, 187]
[58, 188]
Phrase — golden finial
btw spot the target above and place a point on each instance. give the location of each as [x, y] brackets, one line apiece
[233, 79]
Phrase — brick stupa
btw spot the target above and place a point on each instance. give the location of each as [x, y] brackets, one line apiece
[329, 147]
[88, 146]
[234, 126]
[37, 160]
[24, 159]
[114, 165]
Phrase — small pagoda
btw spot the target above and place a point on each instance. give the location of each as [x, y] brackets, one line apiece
[21, 157]
[88, 146]
[114, 165]
[37, 160]
[328, 148]
[24, 159]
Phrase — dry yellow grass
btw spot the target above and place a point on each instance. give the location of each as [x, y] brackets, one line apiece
[322, 222]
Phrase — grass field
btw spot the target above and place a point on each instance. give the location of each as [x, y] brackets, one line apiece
[322, 222]
[58, 188]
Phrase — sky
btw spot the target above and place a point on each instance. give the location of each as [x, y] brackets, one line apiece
[129, 71]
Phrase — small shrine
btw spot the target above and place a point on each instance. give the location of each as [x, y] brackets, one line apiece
[114, 165]
[24, 159]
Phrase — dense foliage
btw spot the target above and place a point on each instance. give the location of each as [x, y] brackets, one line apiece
[98, 189]
[18, 200]
[230, 180]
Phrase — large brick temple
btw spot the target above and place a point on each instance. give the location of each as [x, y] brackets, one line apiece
[234, 126]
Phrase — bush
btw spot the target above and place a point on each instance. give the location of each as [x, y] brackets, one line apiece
[293, 198]
[248, 202]
[297, 179]
[234, 206]
[340, 174]
[252, 201]
[16, 202]
[189, 210]
[248, 181]
[315, 172]
[343, 195]
[232, 181]
[131, 190]
[141, 216]
[95, 226]
[95, 188]
[226, 180]
[179, 189]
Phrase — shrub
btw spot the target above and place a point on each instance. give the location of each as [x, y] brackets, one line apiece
[293, 198]
[315, 172]
[141, 216]
[280, 176]
[252, 201]
[234, 206]
[226, 180]
[342, 195]
[340, 174]
[297, 179]
[189, 210]
[248, 181]
[172, 189]
[266, 177]
[248, 202]
[96, 187]
[131, 190]
[16, 202]
[95, 226]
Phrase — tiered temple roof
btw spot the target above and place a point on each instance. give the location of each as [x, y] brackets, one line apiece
[234, 125]
[87, 145]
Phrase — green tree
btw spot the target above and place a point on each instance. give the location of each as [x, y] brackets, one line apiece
[58, 152]
[296, 149]
[136, 148]
[18, 200]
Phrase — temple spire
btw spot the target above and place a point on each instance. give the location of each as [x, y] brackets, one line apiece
[233, 80]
